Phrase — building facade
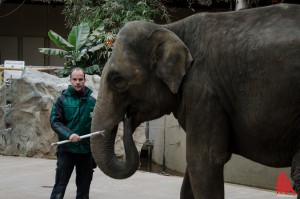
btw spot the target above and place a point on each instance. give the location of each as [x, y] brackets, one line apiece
[24, 29]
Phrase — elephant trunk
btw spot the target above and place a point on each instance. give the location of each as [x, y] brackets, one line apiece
[102, 148]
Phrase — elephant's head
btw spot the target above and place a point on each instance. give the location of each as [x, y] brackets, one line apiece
[140, 80]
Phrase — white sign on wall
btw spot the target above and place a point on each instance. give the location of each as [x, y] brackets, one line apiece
[14, 64]
[18, 65]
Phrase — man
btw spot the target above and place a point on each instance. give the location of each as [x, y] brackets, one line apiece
[71, 118]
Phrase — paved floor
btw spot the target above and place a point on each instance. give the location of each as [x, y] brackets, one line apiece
[31, 178]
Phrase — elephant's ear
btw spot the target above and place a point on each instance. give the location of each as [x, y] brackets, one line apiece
[172, 58]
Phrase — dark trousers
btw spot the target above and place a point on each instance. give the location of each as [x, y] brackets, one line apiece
[84, 173]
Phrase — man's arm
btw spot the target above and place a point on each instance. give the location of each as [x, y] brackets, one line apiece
[57, 121]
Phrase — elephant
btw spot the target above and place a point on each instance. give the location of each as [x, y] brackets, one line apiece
[232, 80]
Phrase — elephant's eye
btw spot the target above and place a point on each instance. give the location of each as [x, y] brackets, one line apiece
[118, 81]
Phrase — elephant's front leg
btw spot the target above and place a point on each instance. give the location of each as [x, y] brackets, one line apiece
[207, 142]
[207, 181]
[187, 192]
[186, 189]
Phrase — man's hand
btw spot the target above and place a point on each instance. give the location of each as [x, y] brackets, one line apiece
[74, 138]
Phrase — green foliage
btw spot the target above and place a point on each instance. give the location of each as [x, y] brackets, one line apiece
[94, 24]
[112, 13]
[85, 49]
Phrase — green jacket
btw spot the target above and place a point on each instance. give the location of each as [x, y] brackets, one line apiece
[72, 113]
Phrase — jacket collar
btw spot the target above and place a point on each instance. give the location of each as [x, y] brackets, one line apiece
[70, 91]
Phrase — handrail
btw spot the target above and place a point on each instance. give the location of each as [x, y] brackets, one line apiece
[30, 68]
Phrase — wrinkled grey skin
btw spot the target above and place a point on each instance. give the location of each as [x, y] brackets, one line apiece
[231, 79]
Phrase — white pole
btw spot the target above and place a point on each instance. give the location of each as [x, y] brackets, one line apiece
[81, 137]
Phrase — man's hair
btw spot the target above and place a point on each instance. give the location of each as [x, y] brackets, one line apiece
[77, 69]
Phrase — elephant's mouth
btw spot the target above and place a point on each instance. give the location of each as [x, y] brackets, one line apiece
[130, 115]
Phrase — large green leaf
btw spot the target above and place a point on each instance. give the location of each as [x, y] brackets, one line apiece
[62, 72]
[95, 48]
[79, 35]
[81, 56]
[52, 51]
[98, 31]
[94, 69]
[59, 41]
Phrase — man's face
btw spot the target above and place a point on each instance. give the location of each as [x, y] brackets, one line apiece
[77, 80]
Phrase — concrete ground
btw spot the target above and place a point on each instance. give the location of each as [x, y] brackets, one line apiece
[31, 178]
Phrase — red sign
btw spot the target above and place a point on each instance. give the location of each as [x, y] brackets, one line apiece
[283, 185]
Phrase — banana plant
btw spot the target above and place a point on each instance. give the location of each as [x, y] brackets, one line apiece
[83, 48]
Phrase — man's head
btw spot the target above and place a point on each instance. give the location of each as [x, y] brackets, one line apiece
[77, 79]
